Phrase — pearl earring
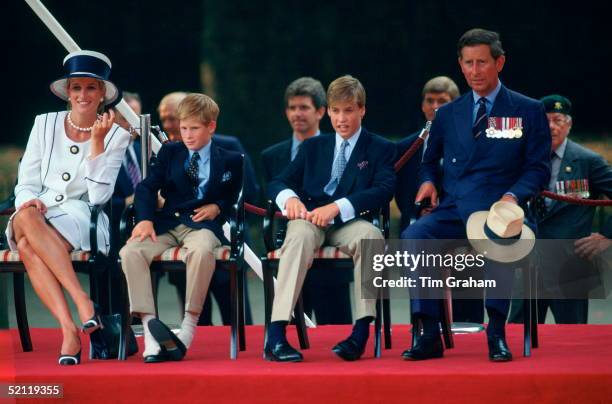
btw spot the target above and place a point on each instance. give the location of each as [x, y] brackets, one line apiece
[101, 99]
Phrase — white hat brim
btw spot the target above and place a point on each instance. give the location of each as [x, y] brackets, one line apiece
[60, 87]
[492, 250]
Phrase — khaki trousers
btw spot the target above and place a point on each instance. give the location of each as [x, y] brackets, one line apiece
[136, 258]
[302, 241]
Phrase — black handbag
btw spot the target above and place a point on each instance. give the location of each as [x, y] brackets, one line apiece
[105, 340]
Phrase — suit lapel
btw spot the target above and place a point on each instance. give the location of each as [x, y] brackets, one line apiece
[504, 106]
[463, 112]
[217, 165]
[350, 172]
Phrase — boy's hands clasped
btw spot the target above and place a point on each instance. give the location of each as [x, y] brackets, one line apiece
[321, 216]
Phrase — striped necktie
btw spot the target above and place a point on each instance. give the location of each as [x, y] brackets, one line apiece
[132, 170]
[480, 124]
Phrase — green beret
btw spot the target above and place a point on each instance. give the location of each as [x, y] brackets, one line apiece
[557, 103]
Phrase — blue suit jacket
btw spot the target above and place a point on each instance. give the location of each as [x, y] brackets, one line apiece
[368, 181]
[478, 172]
[251, 186]
[275, 158]
[168, 175]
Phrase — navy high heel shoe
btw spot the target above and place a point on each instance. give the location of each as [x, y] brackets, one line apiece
[69, 360]
[93, 323]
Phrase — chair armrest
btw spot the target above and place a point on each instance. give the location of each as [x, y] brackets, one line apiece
[268, 226]
[236, 222]
[93, 232]
[7, 207]
[386, 221]
[127, 223]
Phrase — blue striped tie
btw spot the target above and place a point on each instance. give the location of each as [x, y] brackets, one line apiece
[337, 169]
[480, 124]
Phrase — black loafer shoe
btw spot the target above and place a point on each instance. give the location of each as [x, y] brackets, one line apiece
[174, 347]
[160, 357]
[282, 352]
[349, 349]
[498, 349]
[426, 347]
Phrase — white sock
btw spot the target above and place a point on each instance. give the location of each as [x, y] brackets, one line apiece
[151, 345]
[188, 328]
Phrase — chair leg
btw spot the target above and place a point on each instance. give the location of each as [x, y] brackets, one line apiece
[300, 323]
[126, 318]
[268, 284]
[241, 319]
[534, 307]
[377, 328]
[386, 309]
[446, 321]
[527, 313]
[417, 328]
[20, 311]
[155, 280]
[234, 311]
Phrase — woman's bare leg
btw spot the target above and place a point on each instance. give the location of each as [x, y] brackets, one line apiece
[50, 293]
[53, 250]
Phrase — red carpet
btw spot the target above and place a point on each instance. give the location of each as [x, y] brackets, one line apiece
[573, 364]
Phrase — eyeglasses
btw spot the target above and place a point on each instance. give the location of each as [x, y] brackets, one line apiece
[558, 121]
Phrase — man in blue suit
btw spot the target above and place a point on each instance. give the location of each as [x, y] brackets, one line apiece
[325, 292]
[436, 92]
[333, 181]
[480, 167]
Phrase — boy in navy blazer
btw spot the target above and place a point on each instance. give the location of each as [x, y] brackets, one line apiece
[199, 181]
[331, 183]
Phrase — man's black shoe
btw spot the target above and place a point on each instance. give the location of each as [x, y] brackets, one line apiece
[162, 356]
[174, 347]
[498, 349]
[349, 349]
[426, 347]
[282, 352]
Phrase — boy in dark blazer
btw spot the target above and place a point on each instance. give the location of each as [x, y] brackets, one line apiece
[326, 293]
[199, 181]
[333, 180]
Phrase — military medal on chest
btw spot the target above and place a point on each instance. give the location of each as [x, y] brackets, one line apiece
[504, 127]
[578, 188]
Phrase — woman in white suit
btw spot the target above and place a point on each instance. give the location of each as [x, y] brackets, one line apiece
[71, 162]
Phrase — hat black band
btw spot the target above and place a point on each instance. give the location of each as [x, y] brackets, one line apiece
[500, 240]
[88, 64]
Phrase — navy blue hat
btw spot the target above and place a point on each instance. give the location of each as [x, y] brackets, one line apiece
[86, 63]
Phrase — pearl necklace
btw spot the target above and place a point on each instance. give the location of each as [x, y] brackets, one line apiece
[69, 118]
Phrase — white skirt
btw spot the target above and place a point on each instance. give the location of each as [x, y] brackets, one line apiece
[67, 225]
